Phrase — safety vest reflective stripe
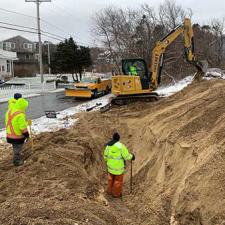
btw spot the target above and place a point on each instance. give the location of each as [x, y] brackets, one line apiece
[117, 169]
[119, 158]
[13, 136]
[9, 124]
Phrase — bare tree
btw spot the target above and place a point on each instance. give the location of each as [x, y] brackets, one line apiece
[128, 33]
[217, 45]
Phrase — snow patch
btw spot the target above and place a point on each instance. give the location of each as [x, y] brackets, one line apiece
[166, 91]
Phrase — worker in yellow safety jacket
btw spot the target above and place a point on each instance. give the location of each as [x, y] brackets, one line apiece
[12, 101]
[16, 128]
[115, 155]
[133, 70]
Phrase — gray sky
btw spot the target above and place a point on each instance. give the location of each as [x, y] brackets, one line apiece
[74, 16]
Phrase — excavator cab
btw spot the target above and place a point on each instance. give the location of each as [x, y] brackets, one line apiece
[141, 70]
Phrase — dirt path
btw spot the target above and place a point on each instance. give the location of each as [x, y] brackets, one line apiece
[179, 170]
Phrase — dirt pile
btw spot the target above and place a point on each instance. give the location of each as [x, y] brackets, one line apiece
[179, 169]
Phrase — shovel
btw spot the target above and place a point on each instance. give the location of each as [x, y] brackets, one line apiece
[131, 176]
[29, 122]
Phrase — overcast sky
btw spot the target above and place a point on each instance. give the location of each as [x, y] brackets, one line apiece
[74, 16]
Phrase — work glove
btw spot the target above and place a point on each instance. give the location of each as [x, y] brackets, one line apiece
[133, 157]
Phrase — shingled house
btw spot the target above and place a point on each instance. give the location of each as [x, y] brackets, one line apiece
[27, 55]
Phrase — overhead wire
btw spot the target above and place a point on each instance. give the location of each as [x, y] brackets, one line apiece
[31, 32]
[11, 28]
[57, 37]
[10, 11]
[11, 24]
[61, 7]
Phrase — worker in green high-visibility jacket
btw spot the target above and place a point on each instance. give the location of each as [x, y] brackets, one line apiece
[114, 155]
[133, 70]
[16, 128]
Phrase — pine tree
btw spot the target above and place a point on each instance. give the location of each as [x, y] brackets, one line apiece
[71, 58]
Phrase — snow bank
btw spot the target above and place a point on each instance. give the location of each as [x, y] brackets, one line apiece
[172, 89]
[215, 73]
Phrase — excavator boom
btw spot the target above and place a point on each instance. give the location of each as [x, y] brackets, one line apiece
[160, 48]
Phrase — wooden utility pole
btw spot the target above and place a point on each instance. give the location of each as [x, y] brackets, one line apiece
[38, 2]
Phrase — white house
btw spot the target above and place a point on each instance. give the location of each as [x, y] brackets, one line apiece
[6, 63]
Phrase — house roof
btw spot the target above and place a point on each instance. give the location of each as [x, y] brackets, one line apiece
[18, 37]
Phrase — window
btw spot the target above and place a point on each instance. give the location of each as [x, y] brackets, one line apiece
[6, 45]
[3, 68]
[8, 66]
[13, 45]
[30, 46]
[37, 57]
[27, 46]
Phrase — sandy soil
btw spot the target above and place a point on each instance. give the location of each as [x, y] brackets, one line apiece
[179, 172]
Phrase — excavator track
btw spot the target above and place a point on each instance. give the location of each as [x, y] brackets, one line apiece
[126, 99]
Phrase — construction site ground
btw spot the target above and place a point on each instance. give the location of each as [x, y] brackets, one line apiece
[179, 171]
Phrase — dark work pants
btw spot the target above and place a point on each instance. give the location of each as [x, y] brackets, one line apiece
[16, 153]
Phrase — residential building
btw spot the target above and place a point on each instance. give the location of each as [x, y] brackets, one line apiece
[7, 63]
[27, 55]
[26, 49]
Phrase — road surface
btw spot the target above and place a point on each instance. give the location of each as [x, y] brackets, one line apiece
[38, 105]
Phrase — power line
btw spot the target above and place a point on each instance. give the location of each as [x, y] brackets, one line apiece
[11, 28]
[10, 11]
[44, 21]
[45, 32]
[31, 32]
[52, 37]
[31, 28]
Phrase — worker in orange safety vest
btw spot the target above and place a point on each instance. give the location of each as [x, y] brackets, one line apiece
[16, 128]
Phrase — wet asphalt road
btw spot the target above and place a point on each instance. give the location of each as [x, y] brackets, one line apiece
[38, 105]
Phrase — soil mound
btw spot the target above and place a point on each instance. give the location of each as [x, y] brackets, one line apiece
[179, 170]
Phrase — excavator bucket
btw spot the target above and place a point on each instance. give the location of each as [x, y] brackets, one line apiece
[202, 66]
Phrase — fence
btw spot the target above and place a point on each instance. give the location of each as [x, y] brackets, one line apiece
[29, 88]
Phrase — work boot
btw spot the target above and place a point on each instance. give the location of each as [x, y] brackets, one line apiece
[120, 196]
[18, 163]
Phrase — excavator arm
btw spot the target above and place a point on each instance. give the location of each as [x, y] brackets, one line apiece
[160, 48]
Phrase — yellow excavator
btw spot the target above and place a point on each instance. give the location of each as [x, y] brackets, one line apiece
[137, 82]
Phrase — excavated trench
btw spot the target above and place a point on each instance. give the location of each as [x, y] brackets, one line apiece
[178, 173]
